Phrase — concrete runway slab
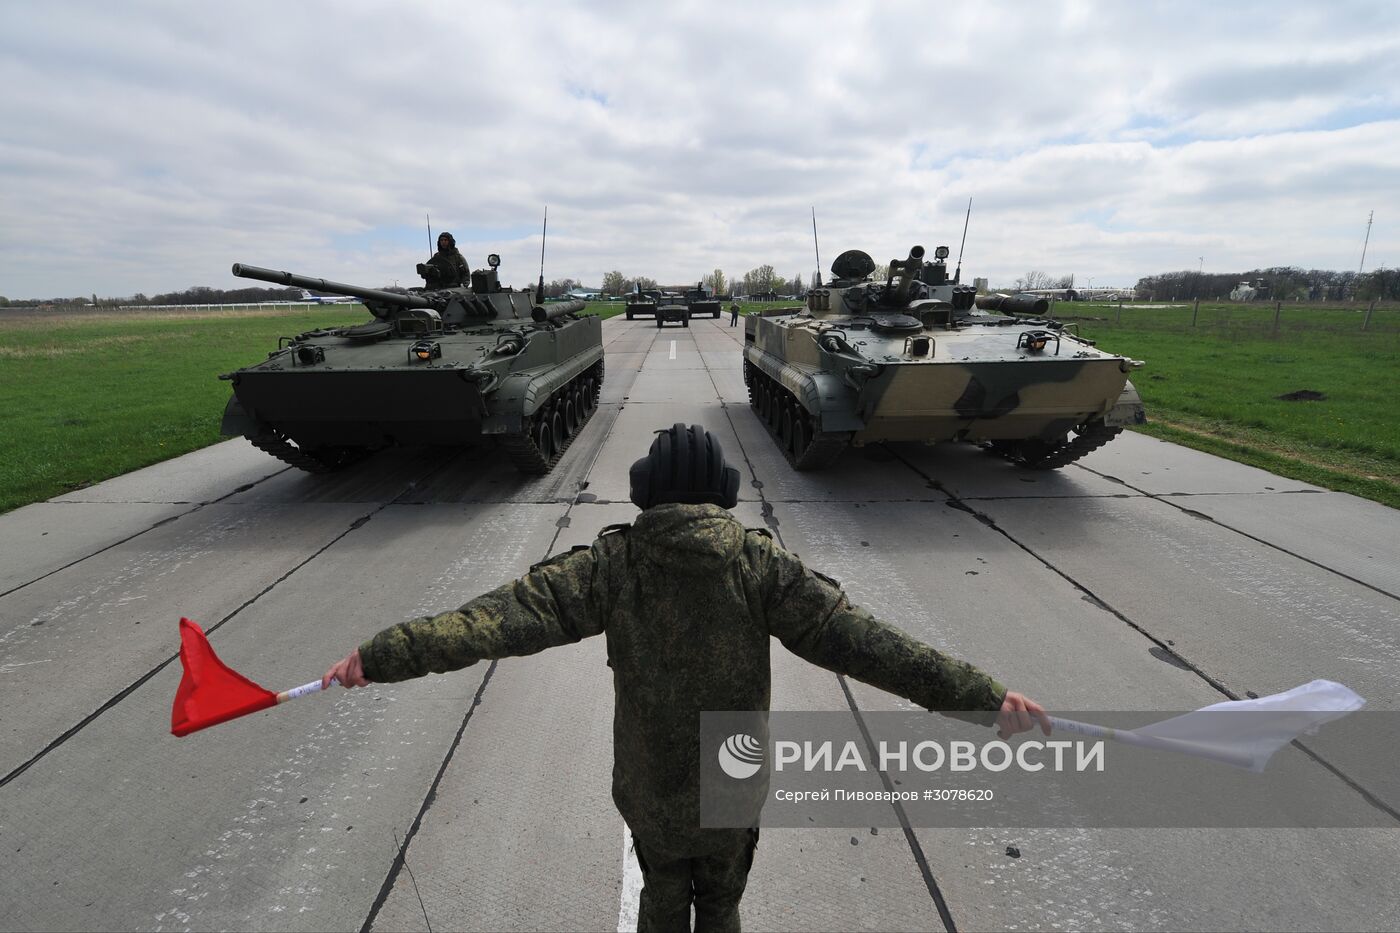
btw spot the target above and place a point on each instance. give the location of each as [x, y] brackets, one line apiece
[1164, 469]
[861, 474]
[40, 539]
[378, 478]
[670, 351]
[659, 384]
[1250, 616]
[632, 436]
[1146, 572]
[269, 804]
[1340, 532]
[202, 476]
[969, 472]
[522, 833]
[953, 582]
[72, 640]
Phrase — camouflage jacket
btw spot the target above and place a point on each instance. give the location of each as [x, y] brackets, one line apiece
[452, 269]
[687, 599]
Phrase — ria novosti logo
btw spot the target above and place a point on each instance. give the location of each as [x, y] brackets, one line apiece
[741, 756]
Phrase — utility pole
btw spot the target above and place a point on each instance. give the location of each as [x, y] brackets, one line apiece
[1365, 244]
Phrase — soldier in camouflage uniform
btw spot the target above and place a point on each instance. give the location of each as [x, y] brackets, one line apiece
[448, 268]
[687, 599]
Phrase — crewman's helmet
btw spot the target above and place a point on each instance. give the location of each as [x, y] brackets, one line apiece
[444, 235]
[685, 464]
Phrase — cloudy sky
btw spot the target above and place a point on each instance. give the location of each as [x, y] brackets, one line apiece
[145, 147]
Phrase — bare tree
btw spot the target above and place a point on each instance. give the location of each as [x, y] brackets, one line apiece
[759, 281]
[614, 283]
[718, 284]
[1035, 279]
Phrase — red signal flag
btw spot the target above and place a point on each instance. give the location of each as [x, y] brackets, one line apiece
[211, 692]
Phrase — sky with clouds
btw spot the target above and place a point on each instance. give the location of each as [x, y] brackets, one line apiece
[145, 147]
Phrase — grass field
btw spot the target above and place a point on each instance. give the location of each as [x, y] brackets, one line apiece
[1216, 386]
[84, 397]
[88, 396]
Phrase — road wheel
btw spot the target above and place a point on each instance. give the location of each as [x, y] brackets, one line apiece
[556, 427]
[785, 427]
[544, 438]
[571, 414]
[801, 435]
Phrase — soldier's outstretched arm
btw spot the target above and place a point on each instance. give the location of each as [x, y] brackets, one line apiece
[551, 605]
[812, 617]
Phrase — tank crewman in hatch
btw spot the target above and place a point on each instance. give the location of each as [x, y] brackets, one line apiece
[448, 267]
[687, 598]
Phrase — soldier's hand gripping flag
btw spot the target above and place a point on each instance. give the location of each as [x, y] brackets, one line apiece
[211, 692]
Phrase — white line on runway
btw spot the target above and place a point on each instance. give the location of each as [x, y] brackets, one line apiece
[673, 349]
[631, 874]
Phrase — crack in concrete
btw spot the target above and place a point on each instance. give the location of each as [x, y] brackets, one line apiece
[1166, 497]
[153, 527]
[1164, 650]
[146, 677]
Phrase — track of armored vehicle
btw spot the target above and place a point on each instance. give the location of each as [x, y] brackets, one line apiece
[450, 367]
[912, 359]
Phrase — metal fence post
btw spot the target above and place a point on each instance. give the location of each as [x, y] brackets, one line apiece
[1369, 308]
[1195, 310]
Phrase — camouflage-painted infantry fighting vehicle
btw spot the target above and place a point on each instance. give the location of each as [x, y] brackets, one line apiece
[911, 359]
[444, 366]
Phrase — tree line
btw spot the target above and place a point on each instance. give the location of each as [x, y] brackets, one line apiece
[196, 295]
[763, 280]
[1277, 283]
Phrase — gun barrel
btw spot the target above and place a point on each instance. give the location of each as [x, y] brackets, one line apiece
[542, 313]
[1014, 304]
[909, 271]
[245, 271]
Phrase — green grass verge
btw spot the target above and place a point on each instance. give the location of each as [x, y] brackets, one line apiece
[85, 397]
[1217, 386]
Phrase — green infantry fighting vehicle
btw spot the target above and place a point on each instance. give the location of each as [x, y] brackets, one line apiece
[701, 302]
[911, 359]
[672, 308]
[642, 302]
[433, 366]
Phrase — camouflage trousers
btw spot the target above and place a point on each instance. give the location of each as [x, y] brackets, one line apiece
[713, 883]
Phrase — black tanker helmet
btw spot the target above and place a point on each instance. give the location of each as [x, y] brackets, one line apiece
[685, 464]
[451, 242]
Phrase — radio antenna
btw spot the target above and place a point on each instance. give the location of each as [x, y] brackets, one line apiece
[543, 233]
[429, 221]
[816, 245]
[957, 274]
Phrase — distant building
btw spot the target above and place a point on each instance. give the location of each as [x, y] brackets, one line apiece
[980, 284]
